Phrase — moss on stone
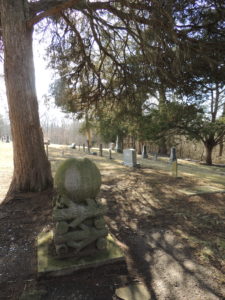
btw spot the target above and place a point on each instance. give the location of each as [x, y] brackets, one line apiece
[49, 265]
[87, 183]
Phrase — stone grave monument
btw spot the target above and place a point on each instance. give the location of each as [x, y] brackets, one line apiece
[110, 154]
[173, 161]
[155, 156]
[144, 152]
[78, 216]
[112, 146]
[73, 146]
[130, 157]
[80, 237]
[173, 154]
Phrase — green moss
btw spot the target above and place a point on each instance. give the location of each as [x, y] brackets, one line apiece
[87, 183]
[48, 264]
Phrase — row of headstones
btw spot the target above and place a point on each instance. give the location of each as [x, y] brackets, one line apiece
[130, 158]
[73, 146]
[5, 139]
[173, 155]
[128, 153]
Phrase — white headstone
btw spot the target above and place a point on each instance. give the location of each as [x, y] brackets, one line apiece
[129, 157]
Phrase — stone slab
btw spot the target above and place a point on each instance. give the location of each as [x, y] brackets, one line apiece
[133, 292]
[129, 157]
[50, 266]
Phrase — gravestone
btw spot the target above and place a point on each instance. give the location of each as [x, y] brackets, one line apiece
[155, 156]
[80, 228]
[144, 152]
[100, 149]
[173, 155]
[73, 146]
[130, 157]
[110, 154]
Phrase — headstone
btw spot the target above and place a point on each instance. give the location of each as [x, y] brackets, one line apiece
[129, 157]
[110, 154]
[73, 146]
[100, 149]
[80, 228]
[112, 146]
[155, 156]
[173, 155]
[144, 152]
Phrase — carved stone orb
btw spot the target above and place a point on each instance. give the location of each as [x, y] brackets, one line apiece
[78, 179]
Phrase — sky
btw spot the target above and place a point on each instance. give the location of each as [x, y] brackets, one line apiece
[43, 77]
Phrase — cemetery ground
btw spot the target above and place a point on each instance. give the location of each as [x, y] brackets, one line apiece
[170, 229]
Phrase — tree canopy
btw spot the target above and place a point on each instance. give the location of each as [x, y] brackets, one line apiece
[116, 47]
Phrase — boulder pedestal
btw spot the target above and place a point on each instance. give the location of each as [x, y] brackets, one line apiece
[51, 266]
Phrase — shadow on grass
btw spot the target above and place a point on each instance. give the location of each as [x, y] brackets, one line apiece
[170, 238]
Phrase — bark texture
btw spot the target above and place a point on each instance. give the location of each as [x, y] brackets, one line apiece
[209, 149]
[32, 170]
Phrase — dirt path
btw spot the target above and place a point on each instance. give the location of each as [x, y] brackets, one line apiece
[174, 244]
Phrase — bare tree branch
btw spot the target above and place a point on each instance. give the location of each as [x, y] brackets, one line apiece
[43, 9]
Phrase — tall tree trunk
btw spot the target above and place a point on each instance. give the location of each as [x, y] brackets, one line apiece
[32, 170]
[209, 148]
[162, 146]
[162, 109]
[139, 147]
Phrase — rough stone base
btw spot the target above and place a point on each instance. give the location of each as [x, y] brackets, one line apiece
[49, 266]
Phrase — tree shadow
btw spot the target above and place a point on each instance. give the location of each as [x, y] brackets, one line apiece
[164, 231]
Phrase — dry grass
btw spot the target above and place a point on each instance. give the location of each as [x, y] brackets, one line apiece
[195, 177]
